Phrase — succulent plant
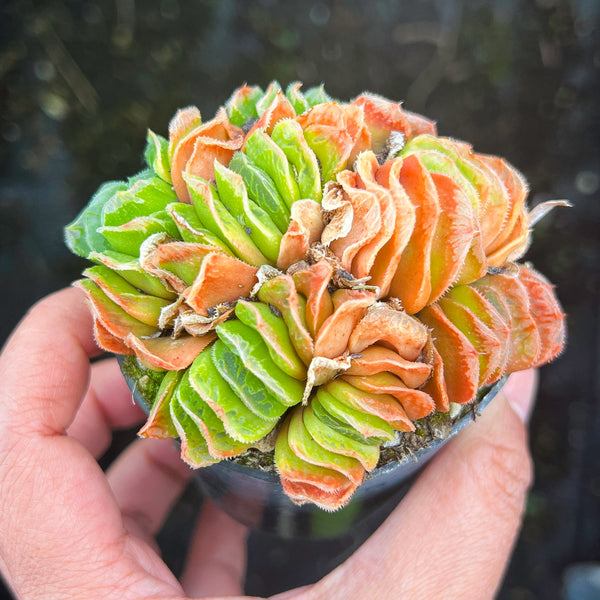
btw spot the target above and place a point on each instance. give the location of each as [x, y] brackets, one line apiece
[313, 277]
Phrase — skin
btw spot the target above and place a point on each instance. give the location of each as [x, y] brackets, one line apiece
[70, 531]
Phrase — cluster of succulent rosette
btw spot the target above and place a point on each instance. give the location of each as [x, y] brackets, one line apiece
[312, 277]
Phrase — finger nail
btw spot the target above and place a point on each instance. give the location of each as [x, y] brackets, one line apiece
[520, 391]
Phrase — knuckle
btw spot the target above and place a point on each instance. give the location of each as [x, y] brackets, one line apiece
[45, 306]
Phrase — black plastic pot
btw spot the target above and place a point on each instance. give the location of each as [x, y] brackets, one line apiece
[256, 499]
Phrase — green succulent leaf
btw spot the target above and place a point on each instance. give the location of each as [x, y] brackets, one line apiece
[130, 270]
[250, 347]
[216, 218]
[304, 444]
[262, 190]
[156, 155]
[220, 443]
[143, 307]
[128, 238]
[140, 175]
[144, 198]
[194, 449]
[190, 227]
[317, 95]
[369, 426]
[331, 421]
[255, 221]
[267, 155]
[263, 103]
[339, 443]
[249, 388]
[246, 425]
[242, 105]
[289, 462]
[82, 236]
[288, 135]
[241, 423]
[274, 333]
[296, 97]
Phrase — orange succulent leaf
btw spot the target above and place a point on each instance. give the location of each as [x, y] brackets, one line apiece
[366, 167]
[221, 279]
[165, 353]
[525, 345]
[182, 123]
[195, 148]
[489, 347]
[453, 235]
[349, 308]
[159, 423]
[420, 124]
[382, 117]
[461, 362]
[301, 493]
[365, 219]
[516, 188]
[207, 150]
[312, 282]
[436, 385]
[484, 310]
[547, 313]
[383, 324]
[177, 262]
[416, 404]
[412, 281]
[110, 316]
[388, 259]
[476, 262]
[280, 108]
[515, 245]
[377, 359]
[497, 202]
[305, 228]
[108, 342]
[337, 134]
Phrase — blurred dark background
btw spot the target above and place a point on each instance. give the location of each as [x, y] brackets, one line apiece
[81, 81]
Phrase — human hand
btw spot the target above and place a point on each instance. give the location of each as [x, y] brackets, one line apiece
[67, 530]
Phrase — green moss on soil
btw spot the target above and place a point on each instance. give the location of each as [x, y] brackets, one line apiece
[147, 381]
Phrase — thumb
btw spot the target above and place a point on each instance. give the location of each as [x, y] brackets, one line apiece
[452, 534]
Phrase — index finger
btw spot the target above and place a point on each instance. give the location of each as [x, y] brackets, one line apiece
[44, 367]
